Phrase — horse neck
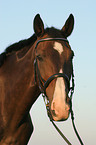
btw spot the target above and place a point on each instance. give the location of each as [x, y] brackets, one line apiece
[17, 88]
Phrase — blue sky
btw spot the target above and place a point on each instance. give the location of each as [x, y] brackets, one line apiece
[16, 23]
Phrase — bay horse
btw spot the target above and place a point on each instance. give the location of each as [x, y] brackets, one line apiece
[39, 64]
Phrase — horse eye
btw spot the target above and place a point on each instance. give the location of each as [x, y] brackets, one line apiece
[39, 57]
[72, 55]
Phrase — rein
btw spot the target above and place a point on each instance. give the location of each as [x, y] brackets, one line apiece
[44, 84]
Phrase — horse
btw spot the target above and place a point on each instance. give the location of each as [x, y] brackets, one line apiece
[42, 63]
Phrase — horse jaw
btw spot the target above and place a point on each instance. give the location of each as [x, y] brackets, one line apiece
[59, 107]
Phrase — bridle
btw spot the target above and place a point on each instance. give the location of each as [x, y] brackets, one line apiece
[44, 84]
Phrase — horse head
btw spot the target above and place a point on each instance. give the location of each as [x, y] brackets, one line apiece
[53, 66]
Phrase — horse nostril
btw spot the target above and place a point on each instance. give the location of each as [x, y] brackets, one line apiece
[53, 112]
[68, 100]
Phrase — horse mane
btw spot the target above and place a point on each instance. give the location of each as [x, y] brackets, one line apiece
[53, 32]
[21, 44]
[16, 47]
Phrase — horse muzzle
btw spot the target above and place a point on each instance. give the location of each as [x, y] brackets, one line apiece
[60, 112]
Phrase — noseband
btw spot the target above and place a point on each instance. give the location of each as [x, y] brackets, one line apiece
[44, 84]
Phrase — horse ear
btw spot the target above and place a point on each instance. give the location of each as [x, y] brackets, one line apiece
[68, 27]
[38, 25]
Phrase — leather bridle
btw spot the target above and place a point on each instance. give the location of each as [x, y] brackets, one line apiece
[44, 84]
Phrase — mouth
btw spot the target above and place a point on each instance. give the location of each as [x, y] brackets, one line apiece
[59, 116]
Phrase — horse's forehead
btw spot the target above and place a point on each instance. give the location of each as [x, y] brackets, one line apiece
[58, 46]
